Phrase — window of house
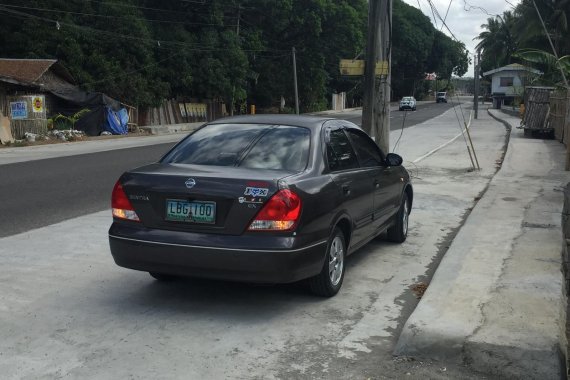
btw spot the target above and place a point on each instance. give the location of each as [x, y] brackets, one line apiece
[507, 81]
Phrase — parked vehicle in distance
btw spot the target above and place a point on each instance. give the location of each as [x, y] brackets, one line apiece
[441, 97]
[408, 102]
[261, 199]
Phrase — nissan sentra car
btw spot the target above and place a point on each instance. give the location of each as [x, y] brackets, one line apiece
[261, 199]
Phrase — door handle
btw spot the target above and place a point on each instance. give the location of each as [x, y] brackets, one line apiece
[346, 190]
[376, 184]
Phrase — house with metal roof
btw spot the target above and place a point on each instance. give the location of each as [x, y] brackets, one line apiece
[508, 82]
[33, 90]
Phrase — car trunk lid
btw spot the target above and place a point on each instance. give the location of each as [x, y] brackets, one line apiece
[199, 198]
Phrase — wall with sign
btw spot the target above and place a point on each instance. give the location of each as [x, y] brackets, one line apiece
[27, 114]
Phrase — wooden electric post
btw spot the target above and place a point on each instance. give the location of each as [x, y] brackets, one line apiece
[376, 106]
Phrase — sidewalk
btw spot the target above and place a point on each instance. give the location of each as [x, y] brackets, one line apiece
[495, 302]
[41, 152]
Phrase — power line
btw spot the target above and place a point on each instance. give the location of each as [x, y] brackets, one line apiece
[434, 10]
[130, 72]
[446, 13]
[189, 46]
[468, 7]
[111, 17]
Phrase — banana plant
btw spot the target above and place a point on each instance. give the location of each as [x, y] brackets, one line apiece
[547, 62]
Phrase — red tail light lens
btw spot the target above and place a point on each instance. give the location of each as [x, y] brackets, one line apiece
[280, 213]
[122, 207]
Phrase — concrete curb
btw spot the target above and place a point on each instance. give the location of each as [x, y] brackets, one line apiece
[172, 128]
[495, 300]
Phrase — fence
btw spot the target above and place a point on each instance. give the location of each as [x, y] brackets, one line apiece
[28, 114]
[175, 112]
[560, 116]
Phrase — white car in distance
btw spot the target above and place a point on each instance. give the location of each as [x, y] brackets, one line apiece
[408, 102]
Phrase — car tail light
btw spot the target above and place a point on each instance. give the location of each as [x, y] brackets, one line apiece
[122, 207]
[280, 213]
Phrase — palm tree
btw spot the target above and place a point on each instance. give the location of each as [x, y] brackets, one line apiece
[497, 42]
[529, 30]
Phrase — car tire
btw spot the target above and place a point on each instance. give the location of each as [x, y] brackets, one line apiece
[162, 277]
[401, 109]
[328, 282]
[414, 109]
[399, 231]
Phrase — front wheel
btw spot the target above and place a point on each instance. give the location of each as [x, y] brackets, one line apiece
[399, 231]
[328, 282]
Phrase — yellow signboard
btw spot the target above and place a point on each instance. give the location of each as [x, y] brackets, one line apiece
[38, 103]
[355, 67]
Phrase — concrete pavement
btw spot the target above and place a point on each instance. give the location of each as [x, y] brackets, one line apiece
[495, 302]
[69, 311]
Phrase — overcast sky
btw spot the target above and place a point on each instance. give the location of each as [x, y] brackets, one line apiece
[465, 17]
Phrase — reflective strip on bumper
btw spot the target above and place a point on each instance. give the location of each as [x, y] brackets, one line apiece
[218, 248]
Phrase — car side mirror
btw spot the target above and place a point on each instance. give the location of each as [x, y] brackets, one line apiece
[393, 159]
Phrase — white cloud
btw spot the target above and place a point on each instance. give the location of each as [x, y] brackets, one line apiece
[465, 17]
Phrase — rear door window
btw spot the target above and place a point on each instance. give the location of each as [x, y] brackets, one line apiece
[340, 154]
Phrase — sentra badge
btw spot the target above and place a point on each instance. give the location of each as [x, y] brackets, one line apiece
[256, 192]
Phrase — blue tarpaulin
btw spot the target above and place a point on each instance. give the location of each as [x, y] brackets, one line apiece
[117, 122]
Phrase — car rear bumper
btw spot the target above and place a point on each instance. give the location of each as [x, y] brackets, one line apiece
[223, 261]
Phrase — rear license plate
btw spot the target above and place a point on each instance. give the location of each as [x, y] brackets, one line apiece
[192, 212]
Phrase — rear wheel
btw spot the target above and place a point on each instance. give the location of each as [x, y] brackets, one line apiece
[399, 231]
[328, 282]
[162, 276]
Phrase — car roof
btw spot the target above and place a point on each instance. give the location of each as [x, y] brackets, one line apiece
[312, 122]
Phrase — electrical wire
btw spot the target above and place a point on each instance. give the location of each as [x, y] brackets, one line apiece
[446, 13]
[129, 72]
[188, 46]
[111, 17]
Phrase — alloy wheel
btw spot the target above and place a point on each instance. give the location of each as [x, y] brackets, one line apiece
[336, 261]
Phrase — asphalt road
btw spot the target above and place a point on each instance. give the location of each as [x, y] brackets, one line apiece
[424, 111]
[42, 192]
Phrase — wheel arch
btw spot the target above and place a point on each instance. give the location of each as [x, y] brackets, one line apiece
[409, 192]
[344, 223]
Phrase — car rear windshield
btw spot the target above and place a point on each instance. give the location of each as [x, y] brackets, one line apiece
[441, 94]
[253, 146]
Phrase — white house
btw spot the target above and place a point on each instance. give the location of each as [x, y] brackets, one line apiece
[508, 82]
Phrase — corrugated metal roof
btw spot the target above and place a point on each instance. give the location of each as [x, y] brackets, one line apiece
[513, 67]
[24, 70]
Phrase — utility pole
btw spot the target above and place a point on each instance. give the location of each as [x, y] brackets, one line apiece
[295, 81]
[376, 107]
[476, 84]
[234, 86]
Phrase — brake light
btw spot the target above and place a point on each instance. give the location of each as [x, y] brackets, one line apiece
[122, 207]
[280, 213]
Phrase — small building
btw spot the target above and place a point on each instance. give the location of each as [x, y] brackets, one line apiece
[25, 96]
[508, 82]
[33, 90]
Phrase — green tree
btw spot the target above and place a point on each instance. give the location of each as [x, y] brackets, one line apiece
[497, 43]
